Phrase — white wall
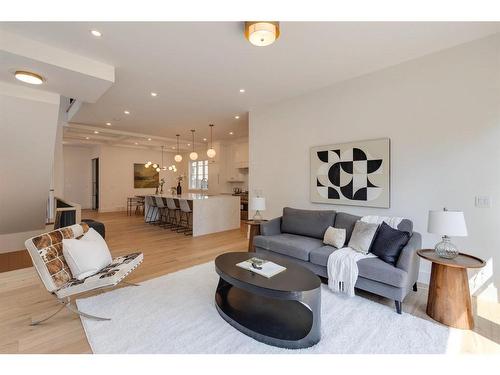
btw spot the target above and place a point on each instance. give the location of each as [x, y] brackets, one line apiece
[442, 114]
[28, 125]
[78, 175]
[116, 167]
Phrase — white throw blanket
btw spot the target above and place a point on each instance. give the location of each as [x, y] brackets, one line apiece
[343, 271]
[342, 264]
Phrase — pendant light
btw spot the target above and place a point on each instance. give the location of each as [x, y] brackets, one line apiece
[162, 165]
[193, 155]
[211, 151]
[178, 157]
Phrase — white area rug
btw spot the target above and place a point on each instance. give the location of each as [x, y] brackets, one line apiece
[175, 313]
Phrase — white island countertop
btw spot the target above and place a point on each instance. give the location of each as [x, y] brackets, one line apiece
[211, 213]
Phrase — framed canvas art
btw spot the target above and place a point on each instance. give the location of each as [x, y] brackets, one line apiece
[355, 173]
[145, 177]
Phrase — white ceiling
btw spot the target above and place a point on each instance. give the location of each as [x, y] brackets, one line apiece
[197, 68]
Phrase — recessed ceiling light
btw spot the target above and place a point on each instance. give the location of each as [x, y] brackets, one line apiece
[126, 112]
[189, 144]
[87, 137]
[135, 143]
[231, 133]
[96, 132]
[154, 94]
[173, 147]
[96, 33]
[237, 117]
[149, 139]
[108, 123]
[204, 139]
[242, 90]
[28, 77]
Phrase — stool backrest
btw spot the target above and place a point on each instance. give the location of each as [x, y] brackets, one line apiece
[171, 204]
[184, 205]
[159, 202]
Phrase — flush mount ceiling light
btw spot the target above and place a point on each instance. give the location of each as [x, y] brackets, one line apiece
[96, 132]
[193, 155]
[96, 33]
[126, 112]
[178, 157]
[28, 77]
[262, 33]
[231, 133]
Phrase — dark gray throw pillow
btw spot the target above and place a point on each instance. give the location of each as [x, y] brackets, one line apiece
[388, 243]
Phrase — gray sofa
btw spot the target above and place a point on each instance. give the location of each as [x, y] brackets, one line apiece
[298, 235]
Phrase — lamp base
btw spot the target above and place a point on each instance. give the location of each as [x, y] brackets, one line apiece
[445, 249]
[257, 216]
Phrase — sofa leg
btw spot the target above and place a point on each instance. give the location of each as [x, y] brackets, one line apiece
[399, 305]
[415, 287]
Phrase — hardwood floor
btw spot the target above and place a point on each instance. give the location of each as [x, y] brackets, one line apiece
[22, 296]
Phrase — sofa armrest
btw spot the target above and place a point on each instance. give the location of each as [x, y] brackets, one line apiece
[408, 260]
[271, 227]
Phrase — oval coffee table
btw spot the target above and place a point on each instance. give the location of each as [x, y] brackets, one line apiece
[284, 310]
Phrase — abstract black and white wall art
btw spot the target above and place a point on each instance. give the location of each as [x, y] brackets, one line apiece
[356, 173]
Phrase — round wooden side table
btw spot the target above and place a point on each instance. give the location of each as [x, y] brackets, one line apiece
[449, 299]
[254, 230]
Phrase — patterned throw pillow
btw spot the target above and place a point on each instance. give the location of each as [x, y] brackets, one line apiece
[388, 243]
[335, 237]
[362, 236]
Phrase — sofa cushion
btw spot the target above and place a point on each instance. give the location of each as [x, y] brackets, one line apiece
[347, 222]
[310, 223]
[362, 236]
[378, 270]
[320, 255]
[406, 226]
[288, 244]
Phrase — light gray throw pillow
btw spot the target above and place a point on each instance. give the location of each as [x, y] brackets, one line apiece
[335, 237]
[362, 236]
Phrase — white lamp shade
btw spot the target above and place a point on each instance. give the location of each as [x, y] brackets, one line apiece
[193, 155]
[178, 158]
[449, 223]
[258, 203]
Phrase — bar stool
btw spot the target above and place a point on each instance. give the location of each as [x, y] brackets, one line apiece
[161, 209]
[172, 214]
[152, 209]
[185, 217]
[139, 208]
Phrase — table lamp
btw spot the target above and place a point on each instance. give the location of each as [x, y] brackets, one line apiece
[258, 204]
[446, 223]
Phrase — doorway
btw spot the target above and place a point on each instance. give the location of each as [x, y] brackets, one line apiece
[95, 184]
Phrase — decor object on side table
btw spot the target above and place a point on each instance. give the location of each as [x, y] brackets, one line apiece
[449, 300]
[355, 173]
[447, 223]
[258, 204]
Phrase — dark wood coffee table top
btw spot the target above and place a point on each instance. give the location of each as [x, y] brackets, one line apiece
[294, 279]
[461, 261]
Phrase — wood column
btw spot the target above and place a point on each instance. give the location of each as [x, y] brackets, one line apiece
[449, 297]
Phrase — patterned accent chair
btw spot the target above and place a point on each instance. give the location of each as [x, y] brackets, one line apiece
[46, 251]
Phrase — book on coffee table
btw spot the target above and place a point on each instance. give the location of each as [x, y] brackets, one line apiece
[261, 267]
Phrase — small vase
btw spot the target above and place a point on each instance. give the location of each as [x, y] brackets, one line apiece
[179, 189]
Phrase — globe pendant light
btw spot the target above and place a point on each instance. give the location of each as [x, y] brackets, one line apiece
[211, 152]
[178, 157]
[193, 155]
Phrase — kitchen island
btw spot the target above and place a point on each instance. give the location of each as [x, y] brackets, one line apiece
[211, 213]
